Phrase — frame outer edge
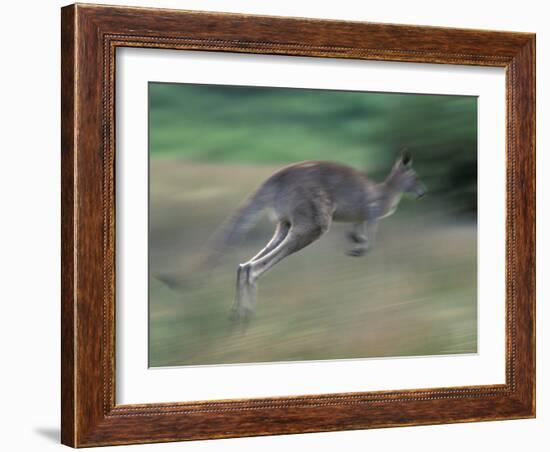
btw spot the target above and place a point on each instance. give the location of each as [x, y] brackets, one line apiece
[68, 242]
[525, 62]
[86, 420]
[534, 225]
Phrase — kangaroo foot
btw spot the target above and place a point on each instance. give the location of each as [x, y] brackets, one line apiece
[355, 237]
[358, 251]
[239, 322]
[245, 298]
[240, 317]
[239, 313]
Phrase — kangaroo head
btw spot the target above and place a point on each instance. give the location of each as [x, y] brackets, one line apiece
[404, 178]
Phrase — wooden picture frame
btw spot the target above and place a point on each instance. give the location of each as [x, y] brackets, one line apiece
[90, 36]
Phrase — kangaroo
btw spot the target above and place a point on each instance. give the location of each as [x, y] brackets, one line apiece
[303, 200]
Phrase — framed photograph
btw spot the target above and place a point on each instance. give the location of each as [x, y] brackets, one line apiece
[281, 225]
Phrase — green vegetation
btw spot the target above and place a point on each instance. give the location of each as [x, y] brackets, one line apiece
[413, 294]
[260, 125]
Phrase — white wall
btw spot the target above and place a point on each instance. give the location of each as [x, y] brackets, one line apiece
[29, 102]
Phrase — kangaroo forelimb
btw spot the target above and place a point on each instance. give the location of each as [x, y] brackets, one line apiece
[362, 235]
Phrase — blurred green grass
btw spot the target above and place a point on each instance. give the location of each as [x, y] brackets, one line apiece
[279, 125]
[413, 294]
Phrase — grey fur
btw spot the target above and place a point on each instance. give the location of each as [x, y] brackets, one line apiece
[303, 200]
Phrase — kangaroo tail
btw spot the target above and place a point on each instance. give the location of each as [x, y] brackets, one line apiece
[235, 226]
[229, 233]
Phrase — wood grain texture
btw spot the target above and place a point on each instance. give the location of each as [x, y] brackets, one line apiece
[68, 147]
[90, 36]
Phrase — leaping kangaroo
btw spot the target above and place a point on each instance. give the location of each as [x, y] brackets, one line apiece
[303, 200]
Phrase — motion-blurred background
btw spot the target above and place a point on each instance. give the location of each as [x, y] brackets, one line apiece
[413, 294]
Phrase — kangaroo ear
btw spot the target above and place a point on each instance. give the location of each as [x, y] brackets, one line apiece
[406, 158]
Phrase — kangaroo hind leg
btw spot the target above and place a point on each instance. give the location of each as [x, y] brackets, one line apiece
[299, 236]
[245, 297]
[280, 233]
[309, 221]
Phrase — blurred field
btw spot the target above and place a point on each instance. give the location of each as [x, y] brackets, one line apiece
[260, 125]
[413, 294]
